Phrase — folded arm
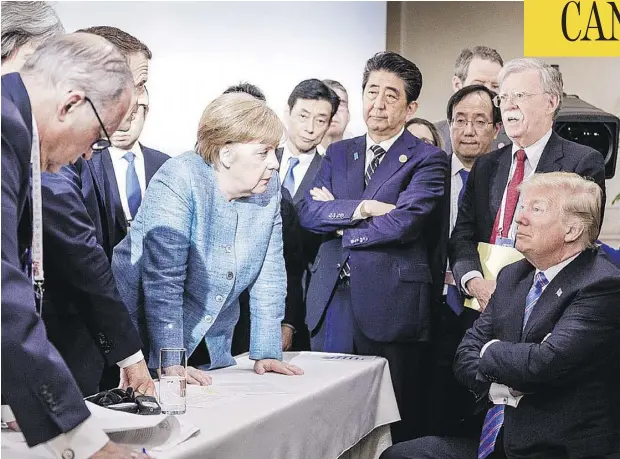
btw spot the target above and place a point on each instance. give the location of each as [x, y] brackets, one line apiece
[413, 208]
[580, 340]
[326, 216]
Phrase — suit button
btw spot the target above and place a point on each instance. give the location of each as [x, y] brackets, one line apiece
[230, 275]
[208, 319]
[219, 298]
[68, 454]
[338, 266]
[228, 248]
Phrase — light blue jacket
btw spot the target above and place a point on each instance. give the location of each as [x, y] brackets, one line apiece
[189, 255]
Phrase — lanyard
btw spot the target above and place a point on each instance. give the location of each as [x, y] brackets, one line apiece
[37, 221]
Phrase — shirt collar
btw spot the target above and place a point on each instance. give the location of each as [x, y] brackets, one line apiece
[304, 158]
[385, 144]
[457, 165]
[118, 153]
[534, 151]
[553, 271]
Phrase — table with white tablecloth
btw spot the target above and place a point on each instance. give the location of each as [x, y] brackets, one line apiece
[341, 407]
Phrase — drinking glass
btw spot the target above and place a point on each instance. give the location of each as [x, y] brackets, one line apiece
[172, 380]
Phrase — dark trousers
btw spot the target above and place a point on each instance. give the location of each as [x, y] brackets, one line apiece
[241, 334]
[441, 448]
[69, 335]
[450, 405]
[338, 332]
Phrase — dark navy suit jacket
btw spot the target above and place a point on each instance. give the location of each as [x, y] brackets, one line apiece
[83, 307]
[35, 380]
[389, 255]
[571, 407]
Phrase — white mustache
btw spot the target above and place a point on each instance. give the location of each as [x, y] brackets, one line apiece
[513, 115]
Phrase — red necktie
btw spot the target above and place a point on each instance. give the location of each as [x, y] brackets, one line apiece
[512, 197]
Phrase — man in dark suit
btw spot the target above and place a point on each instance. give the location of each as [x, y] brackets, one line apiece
[85, 317]
[477, 66]
[531, 94]
[370, 291]
[50, 124]
[546, 350]
[474, 122]
[311, 106]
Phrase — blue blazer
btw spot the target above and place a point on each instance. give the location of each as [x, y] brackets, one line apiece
[389, 255]
[35, 380]
[189, 255]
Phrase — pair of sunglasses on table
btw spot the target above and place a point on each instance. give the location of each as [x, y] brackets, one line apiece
[126, 400]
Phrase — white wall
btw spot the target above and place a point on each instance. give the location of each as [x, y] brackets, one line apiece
[200, 48]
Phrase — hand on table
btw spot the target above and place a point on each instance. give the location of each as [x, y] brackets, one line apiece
[194, 375]
[265, 365]
[138, 377]
[113, 451]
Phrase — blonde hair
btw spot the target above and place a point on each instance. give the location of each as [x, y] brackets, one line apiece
[578, 197]
[236, 118]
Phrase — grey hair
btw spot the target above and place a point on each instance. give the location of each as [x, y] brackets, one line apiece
[461, 67]
[84, 62]
[550, 77]
[23, 22]
[576, 196]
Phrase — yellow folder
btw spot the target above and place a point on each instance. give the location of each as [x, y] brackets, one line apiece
[493, 258]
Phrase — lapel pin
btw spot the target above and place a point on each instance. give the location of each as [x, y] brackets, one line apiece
[559, 292]
[355, 156]
[402, 158]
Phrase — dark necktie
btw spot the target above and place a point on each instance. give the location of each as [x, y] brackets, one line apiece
[378, 153]
[495, 416]
[453, 295]
[132, 185]
[512, 197]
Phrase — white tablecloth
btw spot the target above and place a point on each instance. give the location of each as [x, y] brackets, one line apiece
[337, 406]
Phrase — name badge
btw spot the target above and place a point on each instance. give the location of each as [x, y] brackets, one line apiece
[504, 242]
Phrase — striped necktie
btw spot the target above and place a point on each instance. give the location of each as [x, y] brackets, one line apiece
[379, 153]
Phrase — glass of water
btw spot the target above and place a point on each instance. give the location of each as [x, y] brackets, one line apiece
[172, 380]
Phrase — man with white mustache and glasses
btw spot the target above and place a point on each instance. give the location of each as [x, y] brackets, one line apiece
[530, 97]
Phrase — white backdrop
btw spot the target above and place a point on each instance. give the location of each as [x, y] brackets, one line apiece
[200, 48]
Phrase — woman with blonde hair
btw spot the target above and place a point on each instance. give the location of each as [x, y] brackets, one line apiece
[208, 228]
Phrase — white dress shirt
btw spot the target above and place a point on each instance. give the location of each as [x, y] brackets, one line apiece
[305, 159]
[500, 394]
[456, 185]
[533, 154]
[120, 171]
[321, 150]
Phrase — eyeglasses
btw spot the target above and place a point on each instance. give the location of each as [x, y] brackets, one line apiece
[514, 97]
[478, 125]
[99, 144]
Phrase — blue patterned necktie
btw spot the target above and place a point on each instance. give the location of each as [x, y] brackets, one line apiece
[495, 416]
[132, 185]
[453, 296]
[532, 297]
[289, 178]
